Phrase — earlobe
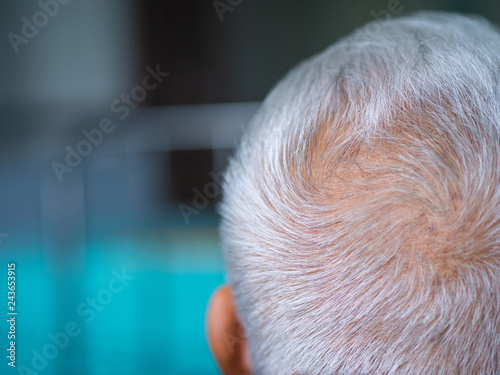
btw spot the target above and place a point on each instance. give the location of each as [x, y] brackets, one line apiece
[225, 334]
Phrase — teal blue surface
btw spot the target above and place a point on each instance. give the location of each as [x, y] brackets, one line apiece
[153, 325]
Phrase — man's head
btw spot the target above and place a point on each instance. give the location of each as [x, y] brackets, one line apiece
[361, 215]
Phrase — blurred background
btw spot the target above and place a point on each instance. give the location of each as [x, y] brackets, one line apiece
[117, 119]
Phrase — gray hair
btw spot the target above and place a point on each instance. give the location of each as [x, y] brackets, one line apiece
[361, 213]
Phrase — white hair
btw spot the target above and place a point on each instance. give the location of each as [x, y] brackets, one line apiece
[361, 213]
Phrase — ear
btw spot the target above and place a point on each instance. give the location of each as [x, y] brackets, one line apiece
[225, 334]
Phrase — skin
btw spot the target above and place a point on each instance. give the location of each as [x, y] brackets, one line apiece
[225, 334]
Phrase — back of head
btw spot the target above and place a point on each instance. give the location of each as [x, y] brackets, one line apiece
[361, 215]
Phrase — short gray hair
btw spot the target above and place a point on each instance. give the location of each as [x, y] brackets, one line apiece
[361, 212]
